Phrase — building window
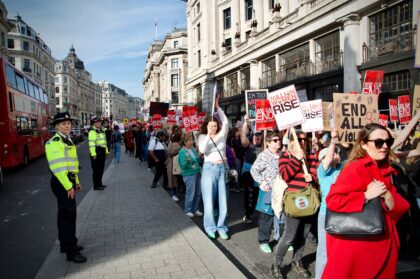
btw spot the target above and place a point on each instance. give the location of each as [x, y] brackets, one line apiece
[174, 80]
[327, 53]
[268, 72]
[391, 31]
[12, 60]
[198, 8]
[25, 46]
[228, 44]
[3, 39]
[399, 81]
[26, 65]
[247, 34]
[226, 19]
[174, 63]
[175, 44]
[57, 100]
[175, 99]
[220, 86]
[295, 63]
[248, 9]
[271, 4]
[232, 87]
[10, 43]
[198, 32]
[57, 90]
[245, 79]
[199, 58]
[326, 92]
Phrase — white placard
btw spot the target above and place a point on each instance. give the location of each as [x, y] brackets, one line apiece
[312, 110]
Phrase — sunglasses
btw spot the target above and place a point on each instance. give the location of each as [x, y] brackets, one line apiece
[275, 140]
[379, 143]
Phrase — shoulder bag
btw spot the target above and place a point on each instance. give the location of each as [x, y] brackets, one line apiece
[301, 203]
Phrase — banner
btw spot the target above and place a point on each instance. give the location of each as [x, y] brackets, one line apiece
[201, 118]
[393, 110]
[383, 120]
[373, 82]
[251, 96]
[416, 99]
[312, 110]
[404, 109]
[171, 118]
[190, 118]
[158, 108]
[285, 106]
[352, 112]
[264, 118]
[157, 121]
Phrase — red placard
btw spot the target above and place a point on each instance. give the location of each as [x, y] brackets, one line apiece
[157, 121]
[393, 110]
[201, 118]
[264, 118]
[181, 123]
[171, 118]
[404, 109]
[383, 120]
[373, 82]
[190, 118]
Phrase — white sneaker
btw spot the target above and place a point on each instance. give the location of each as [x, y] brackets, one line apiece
[189, 214]
[175, 198]
[198, 213]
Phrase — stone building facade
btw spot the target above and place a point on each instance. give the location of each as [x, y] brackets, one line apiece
[114, 101]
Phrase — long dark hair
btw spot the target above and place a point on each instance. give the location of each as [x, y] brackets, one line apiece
[203, 129]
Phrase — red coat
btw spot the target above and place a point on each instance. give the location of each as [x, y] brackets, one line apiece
[373, 257]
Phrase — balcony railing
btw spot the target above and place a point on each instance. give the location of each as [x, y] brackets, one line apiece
[398, 44]
[330, 63]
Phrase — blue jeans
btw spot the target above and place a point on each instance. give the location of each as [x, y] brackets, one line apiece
[213, 183]
[145, 152]
[321, 251]
[192, 192]
[117, 152]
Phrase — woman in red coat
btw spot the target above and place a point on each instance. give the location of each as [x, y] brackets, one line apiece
[366, 176]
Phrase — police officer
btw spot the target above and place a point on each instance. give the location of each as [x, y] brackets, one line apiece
[98, 151]
[64, 166]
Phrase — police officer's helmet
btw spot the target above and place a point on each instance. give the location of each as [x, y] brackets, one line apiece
[95, 119]
[61, 116]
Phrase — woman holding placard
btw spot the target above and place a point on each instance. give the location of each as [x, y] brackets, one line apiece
[212, 143]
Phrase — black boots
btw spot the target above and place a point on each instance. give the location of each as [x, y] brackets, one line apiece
[78, 249]
[297, 267]
[76, 258]
[276, 271]
[154, 184]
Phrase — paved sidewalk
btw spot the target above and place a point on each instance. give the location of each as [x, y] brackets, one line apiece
[132, 231]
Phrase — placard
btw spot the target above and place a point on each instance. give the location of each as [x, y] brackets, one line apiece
[157, 121]
[416, 99]
[373, 82]
[326, 116]
[285, 106]
[171, 118]
[158, 108]
[201, 118]
[264, 118]
[312, 110]
[417, 55]
[393, 110]
[352, 112]
[250, 98]
[404, 109]
[383, 120]
[190, 119]
[302, 95]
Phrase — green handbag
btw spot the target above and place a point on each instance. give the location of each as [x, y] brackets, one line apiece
[301, 203]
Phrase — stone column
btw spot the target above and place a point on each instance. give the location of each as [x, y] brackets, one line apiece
[259, 14]
[350, 34]
[254, 72]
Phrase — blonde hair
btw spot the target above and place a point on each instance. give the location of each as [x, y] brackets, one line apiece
[185, 137]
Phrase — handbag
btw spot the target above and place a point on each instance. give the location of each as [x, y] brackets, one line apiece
[277, 194]
[176, 169]
[301, 203]
[369, 222]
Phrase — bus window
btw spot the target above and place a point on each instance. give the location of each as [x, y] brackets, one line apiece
[42, 95]
[10, 75]
[30, 88]
[20, 83]
[22, 125]
[45, 98]
[37, 92]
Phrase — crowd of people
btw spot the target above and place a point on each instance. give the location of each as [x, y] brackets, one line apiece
[206, 165]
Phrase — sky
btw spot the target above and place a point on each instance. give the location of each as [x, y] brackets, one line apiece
[111, 37]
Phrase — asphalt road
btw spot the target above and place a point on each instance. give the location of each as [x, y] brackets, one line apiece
[28, 211]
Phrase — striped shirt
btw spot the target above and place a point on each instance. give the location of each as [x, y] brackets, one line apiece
[291, 170]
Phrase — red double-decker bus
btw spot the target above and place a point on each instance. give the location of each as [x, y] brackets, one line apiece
[24, 117]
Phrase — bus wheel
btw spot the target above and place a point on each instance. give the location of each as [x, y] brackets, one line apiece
[25, 157]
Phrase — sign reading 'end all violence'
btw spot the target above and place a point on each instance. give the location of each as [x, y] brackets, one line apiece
[285, 106]
[352, 112]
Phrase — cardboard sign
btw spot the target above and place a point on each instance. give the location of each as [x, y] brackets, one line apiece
[326, 115]
[285, 106]
[393, 110]
[373, 82]
[416, 99]
[383, 120]
[404, 109]
[417, 55]
[302, 95]
[264, 118]
[157, 121]
[251, 96]
[352, 112]
[190, 118]
[171, 118]
[201, 118]
[312, 110]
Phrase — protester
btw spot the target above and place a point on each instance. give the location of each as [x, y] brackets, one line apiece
[116, 142]
[251, 151]
[173, 149]
[129, 139]
[212, 143]
[189, 162]
[157, 154]
[264, 171]
[296, 228]
[367, 175]
[328, 170]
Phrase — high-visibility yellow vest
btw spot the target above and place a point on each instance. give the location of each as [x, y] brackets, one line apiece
[62, 159]
[96, 138]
